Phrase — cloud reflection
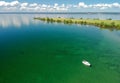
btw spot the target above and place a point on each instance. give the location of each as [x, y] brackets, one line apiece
[14, 20]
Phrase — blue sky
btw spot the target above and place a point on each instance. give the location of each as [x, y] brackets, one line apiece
[60, 5]
[67, 1]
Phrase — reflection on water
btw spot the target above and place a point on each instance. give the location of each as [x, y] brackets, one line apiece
[18, 20]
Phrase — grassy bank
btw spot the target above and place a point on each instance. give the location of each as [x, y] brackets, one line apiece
[113, 24]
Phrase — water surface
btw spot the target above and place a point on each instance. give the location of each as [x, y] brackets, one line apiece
[37, 52]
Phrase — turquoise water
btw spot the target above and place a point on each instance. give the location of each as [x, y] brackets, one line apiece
[41, 52]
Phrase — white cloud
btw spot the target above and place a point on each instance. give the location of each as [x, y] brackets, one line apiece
[25, 6]
[13, 3]
[105, 6]
[82, 4]
[55, 4]
[63, 5]
[116, 5]
[33, 5]
[44, 6]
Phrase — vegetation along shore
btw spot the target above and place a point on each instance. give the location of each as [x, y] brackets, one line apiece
[108, 23]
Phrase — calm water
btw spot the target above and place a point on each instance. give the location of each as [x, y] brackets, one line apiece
[37, 52]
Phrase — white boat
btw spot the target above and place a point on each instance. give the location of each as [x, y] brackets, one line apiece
[86, 63]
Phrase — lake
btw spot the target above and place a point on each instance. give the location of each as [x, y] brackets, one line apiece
[32, 51]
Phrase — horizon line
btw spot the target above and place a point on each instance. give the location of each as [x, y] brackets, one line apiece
[59, 12]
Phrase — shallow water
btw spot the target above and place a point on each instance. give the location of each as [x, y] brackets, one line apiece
[40, 52]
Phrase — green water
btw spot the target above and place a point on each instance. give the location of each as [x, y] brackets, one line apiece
[53, 53]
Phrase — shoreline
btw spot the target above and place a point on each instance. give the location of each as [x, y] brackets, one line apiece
[108, 23]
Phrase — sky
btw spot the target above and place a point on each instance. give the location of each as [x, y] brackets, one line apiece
[59, 5]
